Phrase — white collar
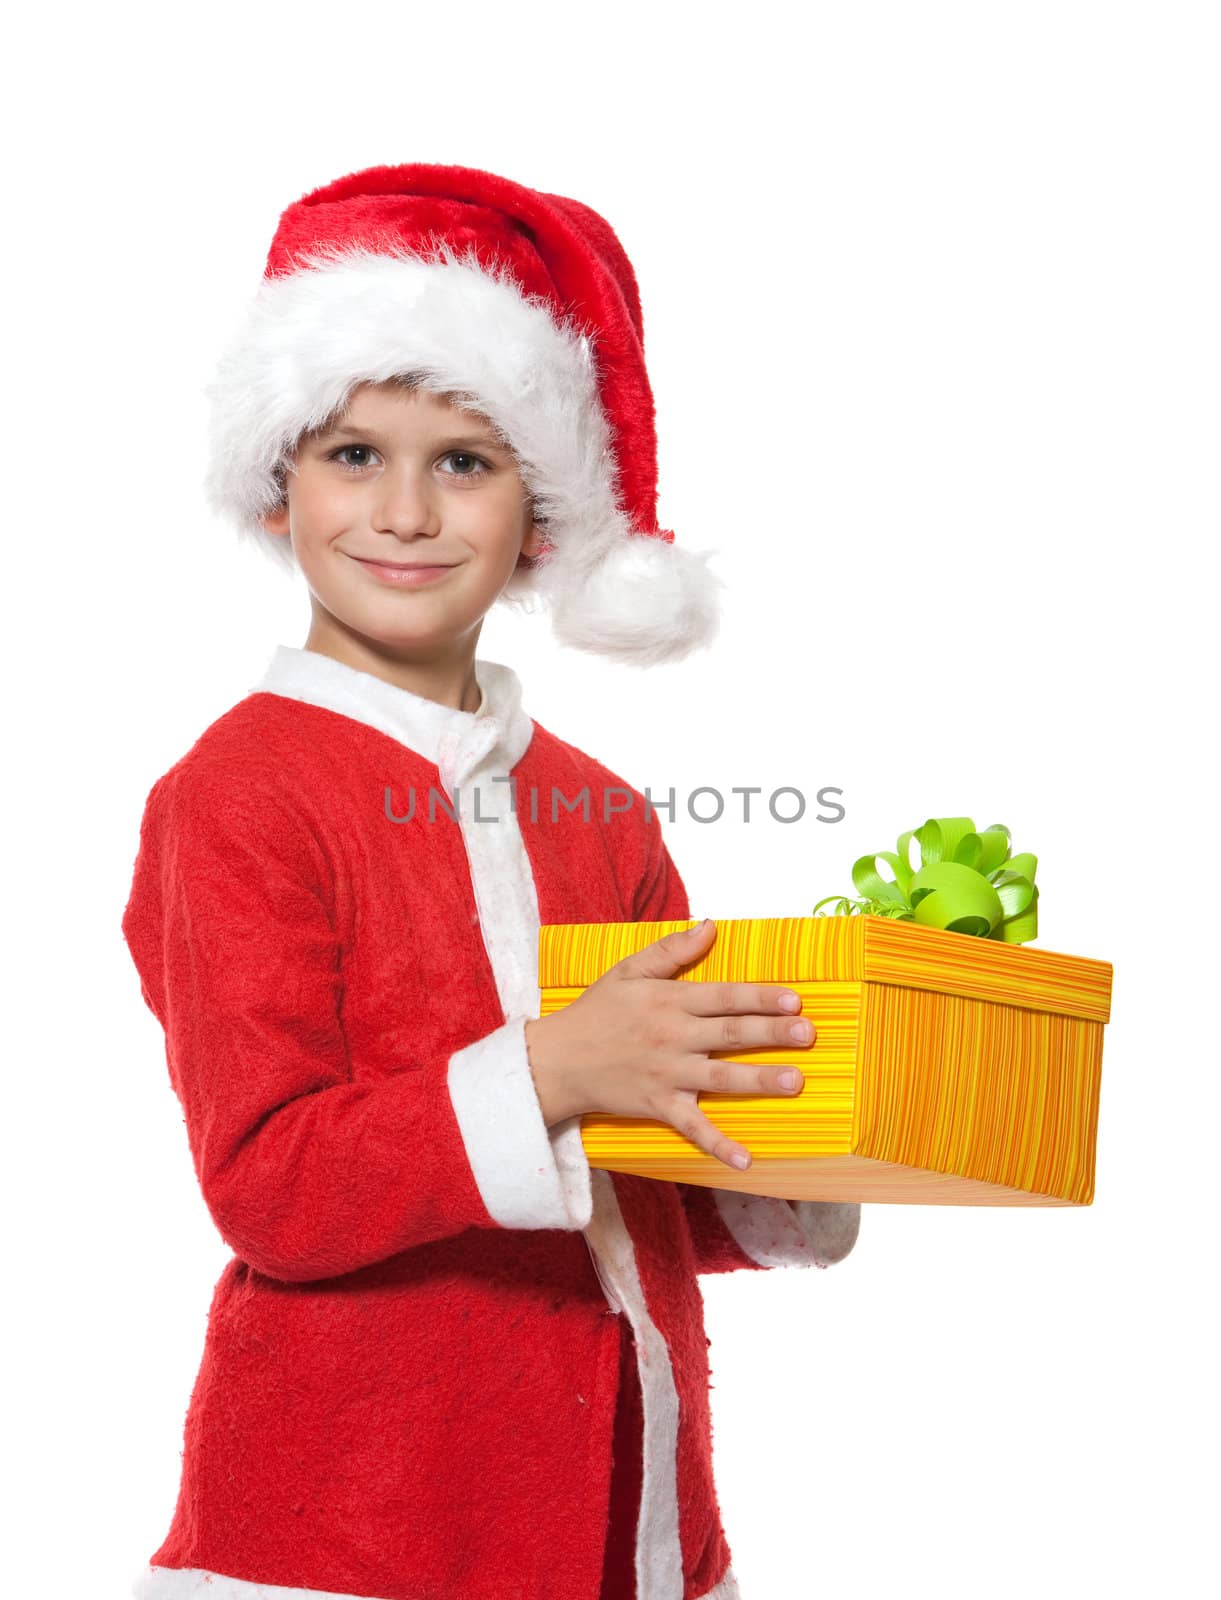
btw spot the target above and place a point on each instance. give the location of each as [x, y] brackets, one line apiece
[457, 742]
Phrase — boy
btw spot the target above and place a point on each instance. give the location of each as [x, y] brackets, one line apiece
[448, 1360]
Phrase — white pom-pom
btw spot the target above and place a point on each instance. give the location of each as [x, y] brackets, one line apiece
[643, 601]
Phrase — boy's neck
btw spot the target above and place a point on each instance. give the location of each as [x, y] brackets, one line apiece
[449, 680]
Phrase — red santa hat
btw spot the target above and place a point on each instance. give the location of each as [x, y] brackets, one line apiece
[521, 305]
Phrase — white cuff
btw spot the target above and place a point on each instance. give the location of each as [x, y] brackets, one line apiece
[529, 1175]
[831, 1226]
[783, 1233]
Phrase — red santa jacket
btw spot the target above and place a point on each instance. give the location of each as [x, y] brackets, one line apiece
[409, 1382]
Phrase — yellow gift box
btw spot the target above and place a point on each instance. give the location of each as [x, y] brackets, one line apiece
[947, 1069]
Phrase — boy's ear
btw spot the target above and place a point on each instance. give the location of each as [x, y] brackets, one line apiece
[276, 521]
[532, 544]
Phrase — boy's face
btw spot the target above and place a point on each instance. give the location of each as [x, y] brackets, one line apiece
[406, 478]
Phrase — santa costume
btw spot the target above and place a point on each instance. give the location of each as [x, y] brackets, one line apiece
[448, 1360]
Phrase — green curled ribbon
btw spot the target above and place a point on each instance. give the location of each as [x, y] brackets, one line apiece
[967, 882]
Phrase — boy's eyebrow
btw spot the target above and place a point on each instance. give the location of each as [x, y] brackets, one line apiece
[486, 441]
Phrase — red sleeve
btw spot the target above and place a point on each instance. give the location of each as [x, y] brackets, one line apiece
[309, 1171]
[731, 1231]
[662, 896]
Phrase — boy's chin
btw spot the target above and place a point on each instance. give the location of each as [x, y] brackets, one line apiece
[396, 621]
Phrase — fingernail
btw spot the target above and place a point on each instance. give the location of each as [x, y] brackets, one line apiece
[790, 1002]
[741, 1161]
[789, 1078]
[802, 1031]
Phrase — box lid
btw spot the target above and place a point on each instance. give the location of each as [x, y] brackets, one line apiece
[844, 949]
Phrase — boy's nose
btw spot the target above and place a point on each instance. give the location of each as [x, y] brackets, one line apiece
[405, 501]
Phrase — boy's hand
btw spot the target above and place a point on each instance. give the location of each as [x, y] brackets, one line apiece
[635, 1043]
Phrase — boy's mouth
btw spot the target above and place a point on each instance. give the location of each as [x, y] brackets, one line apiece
[403, 572]
[405, 566]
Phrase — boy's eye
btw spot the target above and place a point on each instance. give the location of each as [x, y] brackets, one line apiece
[465, 455]
[471, 466]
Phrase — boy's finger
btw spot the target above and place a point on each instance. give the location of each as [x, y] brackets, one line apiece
[690, 1121]
[745, 1077]
[740, 999]
[703, 1034]
[666, 956]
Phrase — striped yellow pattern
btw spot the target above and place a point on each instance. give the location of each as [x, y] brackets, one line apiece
[947, 1069]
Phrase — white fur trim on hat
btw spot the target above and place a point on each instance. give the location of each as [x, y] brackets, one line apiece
[350, 315]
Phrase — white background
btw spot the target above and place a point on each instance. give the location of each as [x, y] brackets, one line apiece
[932, 321]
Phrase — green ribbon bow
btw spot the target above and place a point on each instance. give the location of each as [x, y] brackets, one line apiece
[967, 882]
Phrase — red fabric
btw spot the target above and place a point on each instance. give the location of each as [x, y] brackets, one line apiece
[397, 1396]
[619, 1566]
